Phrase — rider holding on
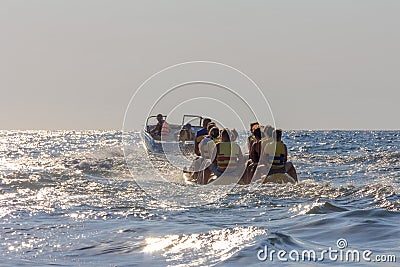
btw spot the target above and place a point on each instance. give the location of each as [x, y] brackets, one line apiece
[229, 155]
[254, 157]
[208, 153]
[208, 144]
[274, 155]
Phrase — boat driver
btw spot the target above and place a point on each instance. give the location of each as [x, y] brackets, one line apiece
[162, 128]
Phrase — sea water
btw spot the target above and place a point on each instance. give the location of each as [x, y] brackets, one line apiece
[68, 198]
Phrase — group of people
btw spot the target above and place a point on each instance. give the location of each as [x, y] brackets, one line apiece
[163, 129]
[218, 153]
[267, 154]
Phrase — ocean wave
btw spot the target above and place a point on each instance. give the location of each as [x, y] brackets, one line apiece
[71, 195]
[203, 248]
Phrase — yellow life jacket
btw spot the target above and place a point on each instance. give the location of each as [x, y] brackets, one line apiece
[228, 156]
[277, 161]
[199, 138]
[165, 128]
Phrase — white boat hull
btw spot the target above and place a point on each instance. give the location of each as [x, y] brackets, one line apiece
[159, 146]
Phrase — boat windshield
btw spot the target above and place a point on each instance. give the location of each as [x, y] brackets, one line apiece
[194, 120]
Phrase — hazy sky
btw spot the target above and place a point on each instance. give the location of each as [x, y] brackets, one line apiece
[321, 64]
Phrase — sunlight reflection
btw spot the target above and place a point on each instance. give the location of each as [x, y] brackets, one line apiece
[159, 243]
[214, 246]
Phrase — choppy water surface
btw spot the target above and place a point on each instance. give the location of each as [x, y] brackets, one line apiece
[67, 198]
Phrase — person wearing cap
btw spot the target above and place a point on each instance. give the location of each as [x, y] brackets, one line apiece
[186, 133]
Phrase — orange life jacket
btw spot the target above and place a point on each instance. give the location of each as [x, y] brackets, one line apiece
[165, 128]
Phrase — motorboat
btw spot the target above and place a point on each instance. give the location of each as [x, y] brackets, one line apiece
[170, 143]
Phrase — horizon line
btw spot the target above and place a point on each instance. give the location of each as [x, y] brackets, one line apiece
[109, 129]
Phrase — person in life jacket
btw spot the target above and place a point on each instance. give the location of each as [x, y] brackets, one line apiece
[251, 138]
[201, 163]
[229, 155]
[233, 135]
[274, 155]
[217, 138]
[200, 135]
[161, 129]
[186, 133]
[267, 136]
[260, 136]
[210, 125]
[208, 144]
[254, 157]
[208, 153]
